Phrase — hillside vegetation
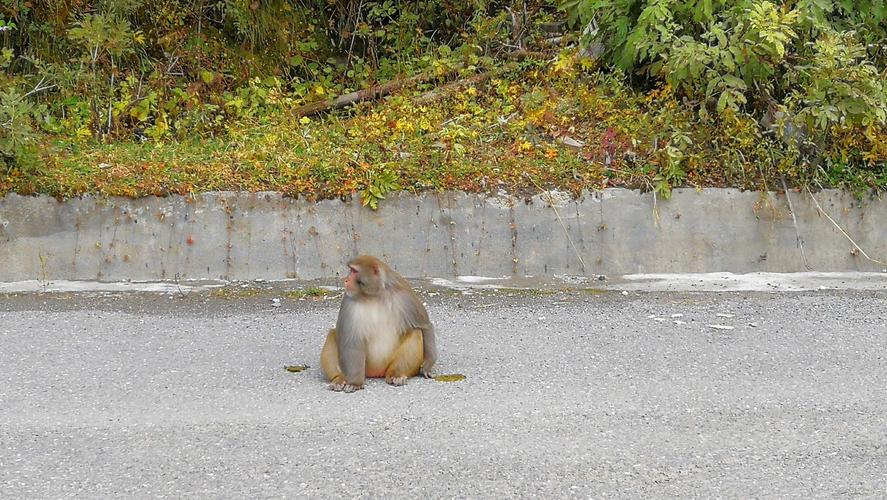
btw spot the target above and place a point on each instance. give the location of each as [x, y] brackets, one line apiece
[328, 98]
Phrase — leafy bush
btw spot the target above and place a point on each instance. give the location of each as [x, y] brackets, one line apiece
[17, 137]
[691, 92]
[818, 64]
[178, 68]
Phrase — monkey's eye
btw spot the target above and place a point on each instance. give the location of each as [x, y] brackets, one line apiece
[353, 272]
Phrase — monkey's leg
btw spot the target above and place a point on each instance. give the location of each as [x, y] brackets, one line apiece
[406, 360]
[329, 364]
[329, 359]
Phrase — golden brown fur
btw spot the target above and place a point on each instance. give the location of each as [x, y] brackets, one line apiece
[383, 330]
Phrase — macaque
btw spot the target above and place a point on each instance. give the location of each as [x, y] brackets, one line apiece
[383, 330]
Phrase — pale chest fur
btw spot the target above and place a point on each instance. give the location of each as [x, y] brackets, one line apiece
[378, 326]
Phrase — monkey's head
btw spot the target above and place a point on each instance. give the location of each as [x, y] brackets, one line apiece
[366, 277]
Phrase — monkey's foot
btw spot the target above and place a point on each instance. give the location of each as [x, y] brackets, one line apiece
[426, 372]
[397, 380]
[341, 386]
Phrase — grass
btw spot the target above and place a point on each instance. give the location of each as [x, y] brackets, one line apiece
[537, 127]
[311, 292]
[234, 292]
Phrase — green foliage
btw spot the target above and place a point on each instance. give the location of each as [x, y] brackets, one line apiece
[539, 127]
[377, 183]
[173, 69]
[100, 34]
[820, 63]
[839, 86]
[129, 97]
[18, 139]
[671, 172]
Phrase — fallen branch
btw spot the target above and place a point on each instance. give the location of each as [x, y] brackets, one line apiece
[367, 94]
[382, 90]
[558, 41]
[523, 55]
[455, 86]
[823, 212]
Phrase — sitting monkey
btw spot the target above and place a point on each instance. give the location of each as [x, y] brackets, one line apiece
[383, 330]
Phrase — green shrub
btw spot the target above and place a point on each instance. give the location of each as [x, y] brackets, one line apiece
[819, 62]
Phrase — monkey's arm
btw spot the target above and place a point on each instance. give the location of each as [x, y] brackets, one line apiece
[329, 363]
[352, 354]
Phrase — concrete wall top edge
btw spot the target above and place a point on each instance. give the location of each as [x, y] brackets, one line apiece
[241, 235]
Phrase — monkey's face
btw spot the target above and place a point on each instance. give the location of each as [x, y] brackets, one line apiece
[362, 282]
[352, 282]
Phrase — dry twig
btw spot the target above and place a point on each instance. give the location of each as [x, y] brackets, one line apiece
[827, 216]
[795, 222]
[561, 221]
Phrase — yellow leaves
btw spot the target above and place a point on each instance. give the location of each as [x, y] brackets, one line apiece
[497, 133]
[160, 127]
[405, 126]
[662, 93]
[878, 153]
[565, 64]
[773, 26]
[84, 133]
[872, 142]
[587, 63]
[349, 185]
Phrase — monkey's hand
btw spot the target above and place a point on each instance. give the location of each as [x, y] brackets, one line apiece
[426, 369]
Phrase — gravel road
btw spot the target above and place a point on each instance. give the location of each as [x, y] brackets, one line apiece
[567, 394]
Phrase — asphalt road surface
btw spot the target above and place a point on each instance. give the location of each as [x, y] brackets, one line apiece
[567, 394]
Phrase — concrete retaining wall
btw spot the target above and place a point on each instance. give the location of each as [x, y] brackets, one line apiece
[241, 236]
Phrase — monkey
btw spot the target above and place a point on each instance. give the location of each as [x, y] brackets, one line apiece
[382, 330]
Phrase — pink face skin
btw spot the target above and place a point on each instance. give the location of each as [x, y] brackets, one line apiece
[351, 286]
